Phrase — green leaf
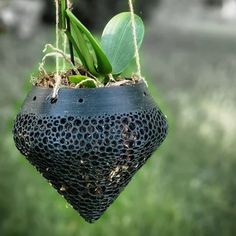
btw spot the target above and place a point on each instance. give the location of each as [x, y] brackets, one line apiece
[72, 40]
[83, 46]
[77, 78]
[89, 83]
[83, 80]
[118, 42]
[62, 16]
[104, 66]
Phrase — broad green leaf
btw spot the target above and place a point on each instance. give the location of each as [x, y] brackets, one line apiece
[118, 42]
[83, 46]
[84, 80]
[104, 66]
[72, 40]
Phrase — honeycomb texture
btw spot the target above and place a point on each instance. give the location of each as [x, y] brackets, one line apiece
[89, 160]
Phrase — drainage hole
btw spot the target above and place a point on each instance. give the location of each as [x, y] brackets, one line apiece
[81, 100]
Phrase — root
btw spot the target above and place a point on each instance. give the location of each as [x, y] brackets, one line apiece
[62, 54]
[82, 82]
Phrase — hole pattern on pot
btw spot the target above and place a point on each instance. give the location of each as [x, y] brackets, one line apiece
[89, 160]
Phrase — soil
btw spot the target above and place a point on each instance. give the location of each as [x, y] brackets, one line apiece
[49, 81]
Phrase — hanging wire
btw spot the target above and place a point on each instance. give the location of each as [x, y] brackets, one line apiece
[57, 77]
[137, 56]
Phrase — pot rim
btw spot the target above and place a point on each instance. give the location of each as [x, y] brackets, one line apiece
[138, 83]
[89, 101]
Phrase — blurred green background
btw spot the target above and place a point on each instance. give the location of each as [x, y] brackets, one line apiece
[188, 187]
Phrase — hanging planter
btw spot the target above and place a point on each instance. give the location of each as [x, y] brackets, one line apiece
[89, 137]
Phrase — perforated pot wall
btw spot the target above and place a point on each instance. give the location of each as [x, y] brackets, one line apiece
[90, 142]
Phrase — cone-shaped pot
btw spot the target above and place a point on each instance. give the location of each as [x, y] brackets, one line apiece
[90, 142]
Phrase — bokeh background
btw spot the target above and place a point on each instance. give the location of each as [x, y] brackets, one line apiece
[188, 187]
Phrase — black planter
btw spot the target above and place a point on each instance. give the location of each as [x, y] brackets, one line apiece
[90, 142]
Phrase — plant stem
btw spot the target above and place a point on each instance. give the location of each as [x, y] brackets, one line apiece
[70, 44]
